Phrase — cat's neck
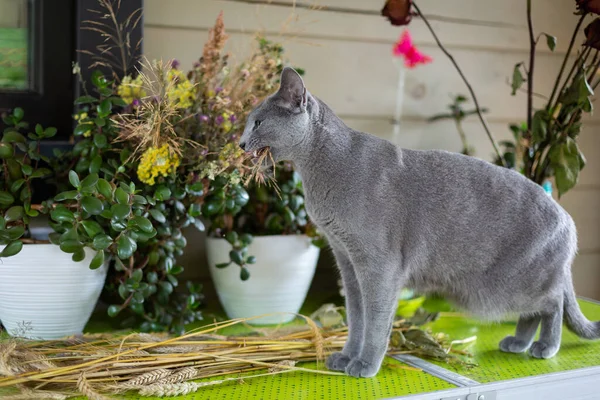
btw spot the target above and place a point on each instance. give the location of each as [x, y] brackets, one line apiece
[327, 139]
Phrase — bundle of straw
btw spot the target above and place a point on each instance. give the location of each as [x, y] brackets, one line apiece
[100, 365]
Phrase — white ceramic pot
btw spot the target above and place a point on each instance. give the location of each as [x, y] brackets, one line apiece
[45, 295]
[285, 266]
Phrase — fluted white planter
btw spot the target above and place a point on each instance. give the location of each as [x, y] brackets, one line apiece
[285, 266]
[44, 294]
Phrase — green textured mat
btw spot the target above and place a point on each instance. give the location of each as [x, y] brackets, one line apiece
[303, 386]
[495, 365]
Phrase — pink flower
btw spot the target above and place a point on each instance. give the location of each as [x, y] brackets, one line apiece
[412, 56]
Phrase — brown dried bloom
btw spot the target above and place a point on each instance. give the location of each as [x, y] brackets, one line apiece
[592, 6]
[212, 48]
[592, 34]
[398, 12]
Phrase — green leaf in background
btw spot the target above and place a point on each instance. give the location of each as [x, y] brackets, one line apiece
[222, 265]
[166, 287]
[62, 214]
[95, 164]
[92, 205]
[162, 193]
[92, 228]
[143, 223]
[550, 41]
[231, 237]
[113, 310]
[105, 189]
[6, 151]
[236, 257]
[98, 260]
[137, 275]
[158, 216]
[85, 100]
[70, 246]
[89, 181]
[13, 137]
[102, 241]
[74, 179]
[14, 213]
[244, 274]
[50, 132]
[14, 233]
[69, 195]
[26, 169]
[79, 255]
[6, 199]
[100, 141]
[83, 128]
[120, 211]
[565, 160]
[540, 126]
[18, 113]
[12, 249]
[41, 173]
[517, 80]
[126, 246]
[121, 196]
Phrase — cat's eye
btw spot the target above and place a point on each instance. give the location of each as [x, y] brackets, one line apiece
[257, 124]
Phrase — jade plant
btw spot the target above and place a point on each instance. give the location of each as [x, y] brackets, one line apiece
[21, 166]
[267, 212]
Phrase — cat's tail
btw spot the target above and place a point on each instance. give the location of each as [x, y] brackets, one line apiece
[574, 318]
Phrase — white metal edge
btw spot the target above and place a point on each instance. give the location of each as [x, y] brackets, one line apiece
[539, 379]
[436, 370]
[458, 392]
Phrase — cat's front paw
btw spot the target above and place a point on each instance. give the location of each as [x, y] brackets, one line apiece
[361, 369]
[337, 361]
[542, 350]
[511, 344]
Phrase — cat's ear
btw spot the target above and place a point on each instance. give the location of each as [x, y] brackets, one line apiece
[292, 91]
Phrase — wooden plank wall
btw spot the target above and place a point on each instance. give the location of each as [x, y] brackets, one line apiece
[347, 57]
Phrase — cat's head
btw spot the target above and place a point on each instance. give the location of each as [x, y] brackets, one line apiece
[281, 121]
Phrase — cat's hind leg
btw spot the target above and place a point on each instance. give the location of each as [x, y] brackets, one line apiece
[338, 361]
[526, 328]
[550, 334]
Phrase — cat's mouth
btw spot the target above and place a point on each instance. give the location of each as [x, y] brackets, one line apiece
[260, 154]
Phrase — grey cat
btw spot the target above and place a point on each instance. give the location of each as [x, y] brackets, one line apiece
[488, 239]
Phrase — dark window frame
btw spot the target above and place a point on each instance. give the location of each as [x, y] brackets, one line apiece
[57, 35]
[47, 100]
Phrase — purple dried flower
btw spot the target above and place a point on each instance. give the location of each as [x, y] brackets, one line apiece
[219, 120]
[232, 118]
[136, 102]
[203, 118]
[175, 64]
[204, 152]
[218, 89]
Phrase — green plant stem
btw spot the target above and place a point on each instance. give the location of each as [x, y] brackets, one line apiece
[462, 75]
[564, 63]
[461, 133]
[530, 69]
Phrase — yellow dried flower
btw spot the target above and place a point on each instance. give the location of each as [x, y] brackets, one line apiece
[156, 162]
[183, 92]
[131, 89]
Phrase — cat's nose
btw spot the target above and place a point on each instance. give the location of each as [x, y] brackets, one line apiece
[243, 145]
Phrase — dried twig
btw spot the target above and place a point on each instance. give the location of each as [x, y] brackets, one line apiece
[464, 78]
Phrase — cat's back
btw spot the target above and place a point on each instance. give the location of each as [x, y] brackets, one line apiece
[460, 184]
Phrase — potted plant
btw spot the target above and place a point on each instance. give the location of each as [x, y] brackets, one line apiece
[271, 241]
[220, 97]
[44, 291]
